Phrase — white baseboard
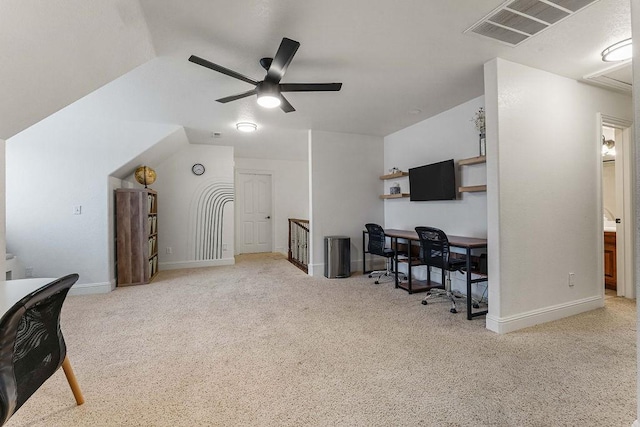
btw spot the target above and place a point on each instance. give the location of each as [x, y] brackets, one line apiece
[635, 424]
[503, 325]
[316, 270]
[92, 288]
[196, 264]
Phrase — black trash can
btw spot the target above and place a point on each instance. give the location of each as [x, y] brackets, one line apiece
[337, 257]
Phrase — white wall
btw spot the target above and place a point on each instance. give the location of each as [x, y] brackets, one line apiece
[544, 213]
[448, 135]
[344, 171]
[291, 193]
[609, 177]
[609, 188]
[635, 21]
[60, 163]
[3, 232]
[177, 189]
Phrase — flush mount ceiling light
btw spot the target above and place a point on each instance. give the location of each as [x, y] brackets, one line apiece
[246, 127]
[618, 52]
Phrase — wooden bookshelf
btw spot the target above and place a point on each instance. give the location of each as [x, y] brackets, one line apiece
[472, 161]
[136, 236]
[394, 196]
[468, 162]
[399, 174]
[472, 189]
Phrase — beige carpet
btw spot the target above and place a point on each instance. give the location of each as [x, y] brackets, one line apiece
[260, 343]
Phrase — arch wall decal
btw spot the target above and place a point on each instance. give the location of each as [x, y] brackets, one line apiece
[208, 218]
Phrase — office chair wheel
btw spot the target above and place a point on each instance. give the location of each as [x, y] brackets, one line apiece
[424, 302]
[453, 310]
[476, 305]
[377, 282]
[370, 276]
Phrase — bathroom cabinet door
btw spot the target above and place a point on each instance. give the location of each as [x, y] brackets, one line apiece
[610, 260]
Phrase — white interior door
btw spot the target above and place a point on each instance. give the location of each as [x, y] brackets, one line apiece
[624, 175]
[624, 242]
[254, 197]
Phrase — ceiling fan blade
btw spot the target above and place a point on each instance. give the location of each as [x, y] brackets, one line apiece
[281, 61]
[221, 69]
[285, 105]
[309, 87]
[238, 96]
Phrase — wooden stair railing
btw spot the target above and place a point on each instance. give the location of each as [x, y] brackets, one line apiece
[299, 243]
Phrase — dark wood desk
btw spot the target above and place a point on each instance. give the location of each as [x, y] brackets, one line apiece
[466, 243]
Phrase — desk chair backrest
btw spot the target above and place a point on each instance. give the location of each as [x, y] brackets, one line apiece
[377, 239]
[434, 247]
[32, 347]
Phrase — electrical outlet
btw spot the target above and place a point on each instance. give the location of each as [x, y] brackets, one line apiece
[169, 250]
[28, 272]
[572, 279]
[77, 210]
[225, 247]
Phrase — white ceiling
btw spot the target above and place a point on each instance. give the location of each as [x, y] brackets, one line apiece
[53, 53]
[399, 61]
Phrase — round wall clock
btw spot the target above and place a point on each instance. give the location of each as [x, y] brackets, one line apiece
[197, 169]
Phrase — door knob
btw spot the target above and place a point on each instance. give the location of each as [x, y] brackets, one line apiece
[269, 217]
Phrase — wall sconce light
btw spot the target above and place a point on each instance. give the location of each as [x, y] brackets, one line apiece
[246, 127]
[618, 52]
[608, 147]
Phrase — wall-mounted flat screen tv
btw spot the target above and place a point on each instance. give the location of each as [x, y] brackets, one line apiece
[436, 181]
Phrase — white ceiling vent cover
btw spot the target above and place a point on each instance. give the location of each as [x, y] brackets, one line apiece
[515, 21]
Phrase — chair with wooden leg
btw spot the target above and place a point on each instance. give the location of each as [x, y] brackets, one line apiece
[32, 347]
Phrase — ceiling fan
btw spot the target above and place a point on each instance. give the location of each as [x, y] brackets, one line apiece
[270, 89]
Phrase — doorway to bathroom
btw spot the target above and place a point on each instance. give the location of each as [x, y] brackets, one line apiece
[617, 218]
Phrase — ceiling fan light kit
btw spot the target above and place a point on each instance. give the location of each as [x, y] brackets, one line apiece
[268, 94]
[268, 101]
[269, 91]
[620, 51]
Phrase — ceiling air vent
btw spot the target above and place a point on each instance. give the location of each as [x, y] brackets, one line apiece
[518, 20]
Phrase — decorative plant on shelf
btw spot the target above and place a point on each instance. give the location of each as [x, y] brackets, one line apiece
[478, 120]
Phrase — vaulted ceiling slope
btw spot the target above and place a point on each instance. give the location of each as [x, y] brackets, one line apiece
[399, 62]
[54, 53]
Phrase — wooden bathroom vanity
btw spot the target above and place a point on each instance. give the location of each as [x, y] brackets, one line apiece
[610, 260]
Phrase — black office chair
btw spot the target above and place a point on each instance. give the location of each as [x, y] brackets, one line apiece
[32, 347]
[434, 252]
[377, 246]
